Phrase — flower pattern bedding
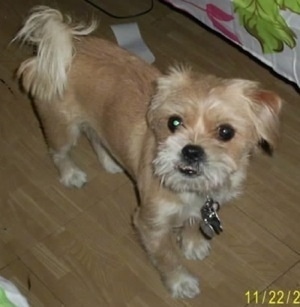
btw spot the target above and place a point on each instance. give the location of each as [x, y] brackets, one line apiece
[268, 29]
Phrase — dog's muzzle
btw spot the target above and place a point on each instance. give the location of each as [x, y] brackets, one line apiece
[192, 156]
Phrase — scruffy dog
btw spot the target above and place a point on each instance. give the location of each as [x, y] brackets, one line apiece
[184, 138]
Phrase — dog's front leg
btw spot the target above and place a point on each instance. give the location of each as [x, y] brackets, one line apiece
[159, 243]
[192, 243]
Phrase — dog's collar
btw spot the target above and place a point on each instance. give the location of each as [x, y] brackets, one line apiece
[210, 223]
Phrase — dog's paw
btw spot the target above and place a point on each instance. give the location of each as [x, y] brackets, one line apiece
[74, 178]
[183, 285]
[196, 249]
[110, 165]
[112, 168]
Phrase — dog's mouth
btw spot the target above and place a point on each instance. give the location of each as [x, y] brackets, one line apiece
[189, 170]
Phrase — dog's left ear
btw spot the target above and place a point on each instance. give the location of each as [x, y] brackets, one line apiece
[267, 106]
[167, 87]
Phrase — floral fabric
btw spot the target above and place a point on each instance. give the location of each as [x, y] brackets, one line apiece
[268, 29]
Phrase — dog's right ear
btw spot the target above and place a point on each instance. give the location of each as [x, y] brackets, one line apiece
[166, 90]
[175, 78]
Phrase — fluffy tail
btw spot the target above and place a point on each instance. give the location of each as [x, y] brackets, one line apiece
[44, 76]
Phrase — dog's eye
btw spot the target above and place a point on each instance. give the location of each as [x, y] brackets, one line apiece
[225, 132]
[174, 122]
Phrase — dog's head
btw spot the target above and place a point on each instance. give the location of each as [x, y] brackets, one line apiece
[206, 128]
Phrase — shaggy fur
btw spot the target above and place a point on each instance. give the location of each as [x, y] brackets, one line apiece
[181, 136]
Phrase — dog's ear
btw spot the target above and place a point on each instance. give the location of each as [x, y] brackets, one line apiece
[167, 87]
[266, 106]
[175, 77]
[263, 108]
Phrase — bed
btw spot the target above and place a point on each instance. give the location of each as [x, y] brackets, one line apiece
[268, 29]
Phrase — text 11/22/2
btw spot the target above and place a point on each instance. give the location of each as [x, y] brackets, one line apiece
[273, 297]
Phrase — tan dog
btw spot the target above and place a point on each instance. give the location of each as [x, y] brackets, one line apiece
[184, 138]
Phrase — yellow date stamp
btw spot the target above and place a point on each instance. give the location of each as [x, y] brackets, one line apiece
[273, 297]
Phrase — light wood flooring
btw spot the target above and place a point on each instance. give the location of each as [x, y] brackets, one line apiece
[68, 247]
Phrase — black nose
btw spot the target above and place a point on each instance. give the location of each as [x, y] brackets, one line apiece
[193, 153]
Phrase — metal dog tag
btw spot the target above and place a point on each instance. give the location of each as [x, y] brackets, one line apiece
[207, 230]
[210, 224]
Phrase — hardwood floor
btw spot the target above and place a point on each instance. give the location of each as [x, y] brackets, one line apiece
[65, 247]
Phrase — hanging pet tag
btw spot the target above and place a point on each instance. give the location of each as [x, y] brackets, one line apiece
[210, 224]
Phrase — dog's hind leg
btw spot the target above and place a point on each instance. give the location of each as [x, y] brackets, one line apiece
[70, 174]
[105, 159]
[62, 135]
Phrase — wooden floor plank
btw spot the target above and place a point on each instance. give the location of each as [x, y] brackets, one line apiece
[37, 294]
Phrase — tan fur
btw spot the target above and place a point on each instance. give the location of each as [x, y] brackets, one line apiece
[123, 106]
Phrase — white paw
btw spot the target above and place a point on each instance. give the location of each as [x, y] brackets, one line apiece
[74, 178]
[110, 165]
[113, 168]
[196, 250]
[183, 285]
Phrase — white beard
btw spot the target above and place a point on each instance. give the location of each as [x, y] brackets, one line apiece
[219, 171]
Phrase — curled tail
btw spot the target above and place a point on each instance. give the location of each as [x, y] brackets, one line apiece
[44, 76]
